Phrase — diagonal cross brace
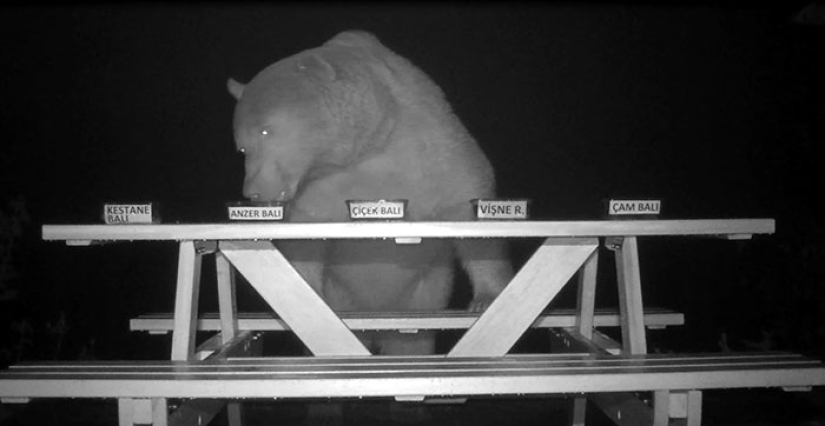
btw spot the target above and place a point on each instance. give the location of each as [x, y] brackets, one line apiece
[522, 301]
[493, 334]
[283, 288]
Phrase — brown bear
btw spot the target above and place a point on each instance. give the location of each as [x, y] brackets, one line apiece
[352, 120]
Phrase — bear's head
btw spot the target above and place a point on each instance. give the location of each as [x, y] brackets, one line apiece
[307, 116]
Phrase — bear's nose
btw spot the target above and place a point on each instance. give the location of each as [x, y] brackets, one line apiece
[251, 190]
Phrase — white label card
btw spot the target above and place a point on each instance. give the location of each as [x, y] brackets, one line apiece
[631, 207]
[501, 209]
[256, 212]
[376, 209]
[114, 214]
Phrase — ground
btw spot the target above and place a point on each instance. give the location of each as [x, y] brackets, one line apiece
[721, 408]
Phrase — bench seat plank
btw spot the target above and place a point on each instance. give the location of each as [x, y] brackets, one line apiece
[262, 321]
[306, 377]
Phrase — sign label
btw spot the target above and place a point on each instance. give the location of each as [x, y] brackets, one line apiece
[114, 214]
[256, 212]
[501, 209]
[634, 207]
[376, 209]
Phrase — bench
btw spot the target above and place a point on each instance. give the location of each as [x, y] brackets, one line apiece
[655, 318]
[409, 377]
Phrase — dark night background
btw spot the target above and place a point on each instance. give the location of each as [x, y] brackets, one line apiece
[719, 109]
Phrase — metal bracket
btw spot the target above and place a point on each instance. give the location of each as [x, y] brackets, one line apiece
[613, 243]
[206, 247]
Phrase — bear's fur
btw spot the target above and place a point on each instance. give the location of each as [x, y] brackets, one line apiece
[352, 120]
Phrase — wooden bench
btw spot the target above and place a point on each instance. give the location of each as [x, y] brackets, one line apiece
[654, 318]
[409, 377]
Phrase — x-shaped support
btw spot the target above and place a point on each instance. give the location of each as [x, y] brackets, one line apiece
[493, 334]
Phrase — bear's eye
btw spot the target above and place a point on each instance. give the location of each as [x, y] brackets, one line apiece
[242, 150]
[266, 132]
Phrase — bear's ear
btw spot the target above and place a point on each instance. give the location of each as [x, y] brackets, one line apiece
[317, 65]
[235, 88]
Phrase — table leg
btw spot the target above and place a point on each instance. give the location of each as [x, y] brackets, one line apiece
[234, 412]
[585, 311]
[684, 407]
[125, 412]
[630, 297]
[661, 407]
[586, 296]
[694, 408]
[226, 297]
[578, 412]
[186, 302]
[133, 411]
[228, 308]
[155, 411]
[160, 412]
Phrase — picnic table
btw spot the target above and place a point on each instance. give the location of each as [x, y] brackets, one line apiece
[229, 368]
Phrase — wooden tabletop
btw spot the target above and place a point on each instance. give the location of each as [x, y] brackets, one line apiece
[732, 228]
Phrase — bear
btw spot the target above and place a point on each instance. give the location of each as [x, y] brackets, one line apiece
[352, 120]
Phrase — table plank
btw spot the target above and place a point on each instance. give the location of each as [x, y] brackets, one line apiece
[407, 321]
[512, 229]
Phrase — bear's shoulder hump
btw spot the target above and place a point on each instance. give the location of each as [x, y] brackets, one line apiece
[355, 38]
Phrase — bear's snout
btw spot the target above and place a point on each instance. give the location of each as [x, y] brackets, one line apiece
[262, 187]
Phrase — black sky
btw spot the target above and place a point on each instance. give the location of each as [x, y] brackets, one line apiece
[701, 105]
